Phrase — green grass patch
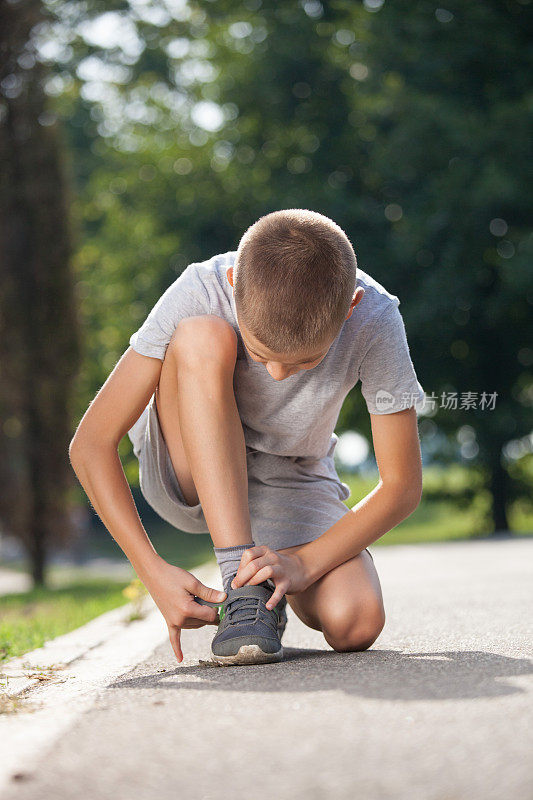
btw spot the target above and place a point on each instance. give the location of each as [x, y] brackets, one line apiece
[29, 619]
[521, 516]
[435, 522]
[454, 506]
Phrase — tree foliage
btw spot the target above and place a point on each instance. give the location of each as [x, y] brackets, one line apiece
[405, 122]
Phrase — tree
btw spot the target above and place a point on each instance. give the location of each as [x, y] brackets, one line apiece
[408, 124]
[452, 141]
[39, 335]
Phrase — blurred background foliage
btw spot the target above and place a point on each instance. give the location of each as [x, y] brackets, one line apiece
[406, 122]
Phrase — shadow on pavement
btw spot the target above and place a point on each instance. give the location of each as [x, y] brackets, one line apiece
[380, 674]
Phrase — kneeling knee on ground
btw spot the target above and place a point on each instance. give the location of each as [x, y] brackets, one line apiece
[204, 340]
[348, 629]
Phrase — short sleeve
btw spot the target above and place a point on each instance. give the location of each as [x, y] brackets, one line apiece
[186, 297]
[388, 379]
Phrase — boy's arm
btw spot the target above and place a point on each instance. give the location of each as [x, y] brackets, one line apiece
[397, 451]
[94, 457]
[94, 453]
[398, 493]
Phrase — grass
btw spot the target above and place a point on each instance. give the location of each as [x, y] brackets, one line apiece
[453, 507]
[29, 619]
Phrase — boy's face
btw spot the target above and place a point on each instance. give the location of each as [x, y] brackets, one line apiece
[283, 365]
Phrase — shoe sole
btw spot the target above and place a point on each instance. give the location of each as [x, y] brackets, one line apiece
[248, 654]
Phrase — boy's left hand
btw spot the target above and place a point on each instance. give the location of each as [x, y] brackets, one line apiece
[259, 563]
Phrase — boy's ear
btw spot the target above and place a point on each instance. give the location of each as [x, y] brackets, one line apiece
[357, 297]
[229, 275]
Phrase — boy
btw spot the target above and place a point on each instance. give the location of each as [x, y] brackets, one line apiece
[230, 392]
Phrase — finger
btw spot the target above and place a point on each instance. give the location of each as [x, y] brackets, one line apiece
[245, 573]
[190, 623]
[205, 602]
[253, 552]
[263, 574]
[174, 635]
[277, 595]
[205, 614]
[206, 593]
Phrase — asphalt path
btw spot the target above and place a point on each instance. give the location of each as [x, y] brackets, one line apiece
[438, 709]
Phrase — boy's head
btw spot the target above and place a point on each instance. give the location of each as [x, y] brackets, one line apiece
[294, 284]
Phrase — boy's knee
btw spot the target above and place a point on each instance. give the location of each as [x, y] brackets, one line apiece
[349, 630]
[203, 338]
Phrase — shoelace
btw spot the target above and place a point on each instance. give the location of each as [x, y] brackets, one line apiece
[248, 609]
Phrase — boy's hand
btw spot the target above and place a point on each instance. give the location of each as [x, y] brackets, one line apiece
[285, 570]
[173, 590]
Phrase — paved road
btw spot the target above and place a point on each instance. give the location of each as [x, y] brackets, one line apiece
[438, 709]
[12, 582]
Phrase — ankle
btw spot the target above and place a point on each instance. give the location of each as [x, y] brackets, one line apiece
[228, 559]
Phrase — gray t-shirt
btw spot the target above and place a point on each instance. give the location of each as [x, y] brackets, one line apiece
[296, 416]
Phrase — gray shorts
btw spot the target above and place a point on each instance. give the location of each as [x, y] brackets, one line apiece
[292, 499]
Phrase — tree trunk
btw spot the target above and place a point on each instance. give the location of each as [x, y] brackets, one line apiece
[37, 554]
[499, 488]
[39, 332]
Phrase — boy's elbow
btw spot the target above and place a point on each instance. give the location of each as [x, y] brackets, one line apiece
[406, 496]
[86, 444]
[414, 499]
[75, 449]
[79, 447]
[412, 496]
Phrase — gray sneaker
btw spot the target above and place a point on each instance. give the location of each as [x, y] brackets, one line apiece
[248, 632]
[281, 608]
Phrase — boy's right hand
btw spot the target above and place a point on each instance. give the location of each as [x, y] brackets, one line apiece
[173, 590]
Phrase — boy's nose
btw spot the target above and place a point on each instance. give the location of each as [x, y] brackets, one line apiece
[278, 371]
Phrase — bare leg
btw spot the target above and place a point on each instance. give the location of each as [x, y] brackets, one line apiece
[202, 428]
[346, 604]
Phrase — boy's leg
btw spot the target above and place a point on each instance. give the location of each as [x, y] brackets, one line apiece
[346, 604]
[201, 425]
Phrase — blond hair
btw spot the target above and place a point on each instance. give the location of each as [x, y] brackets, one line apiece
[294, 279]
